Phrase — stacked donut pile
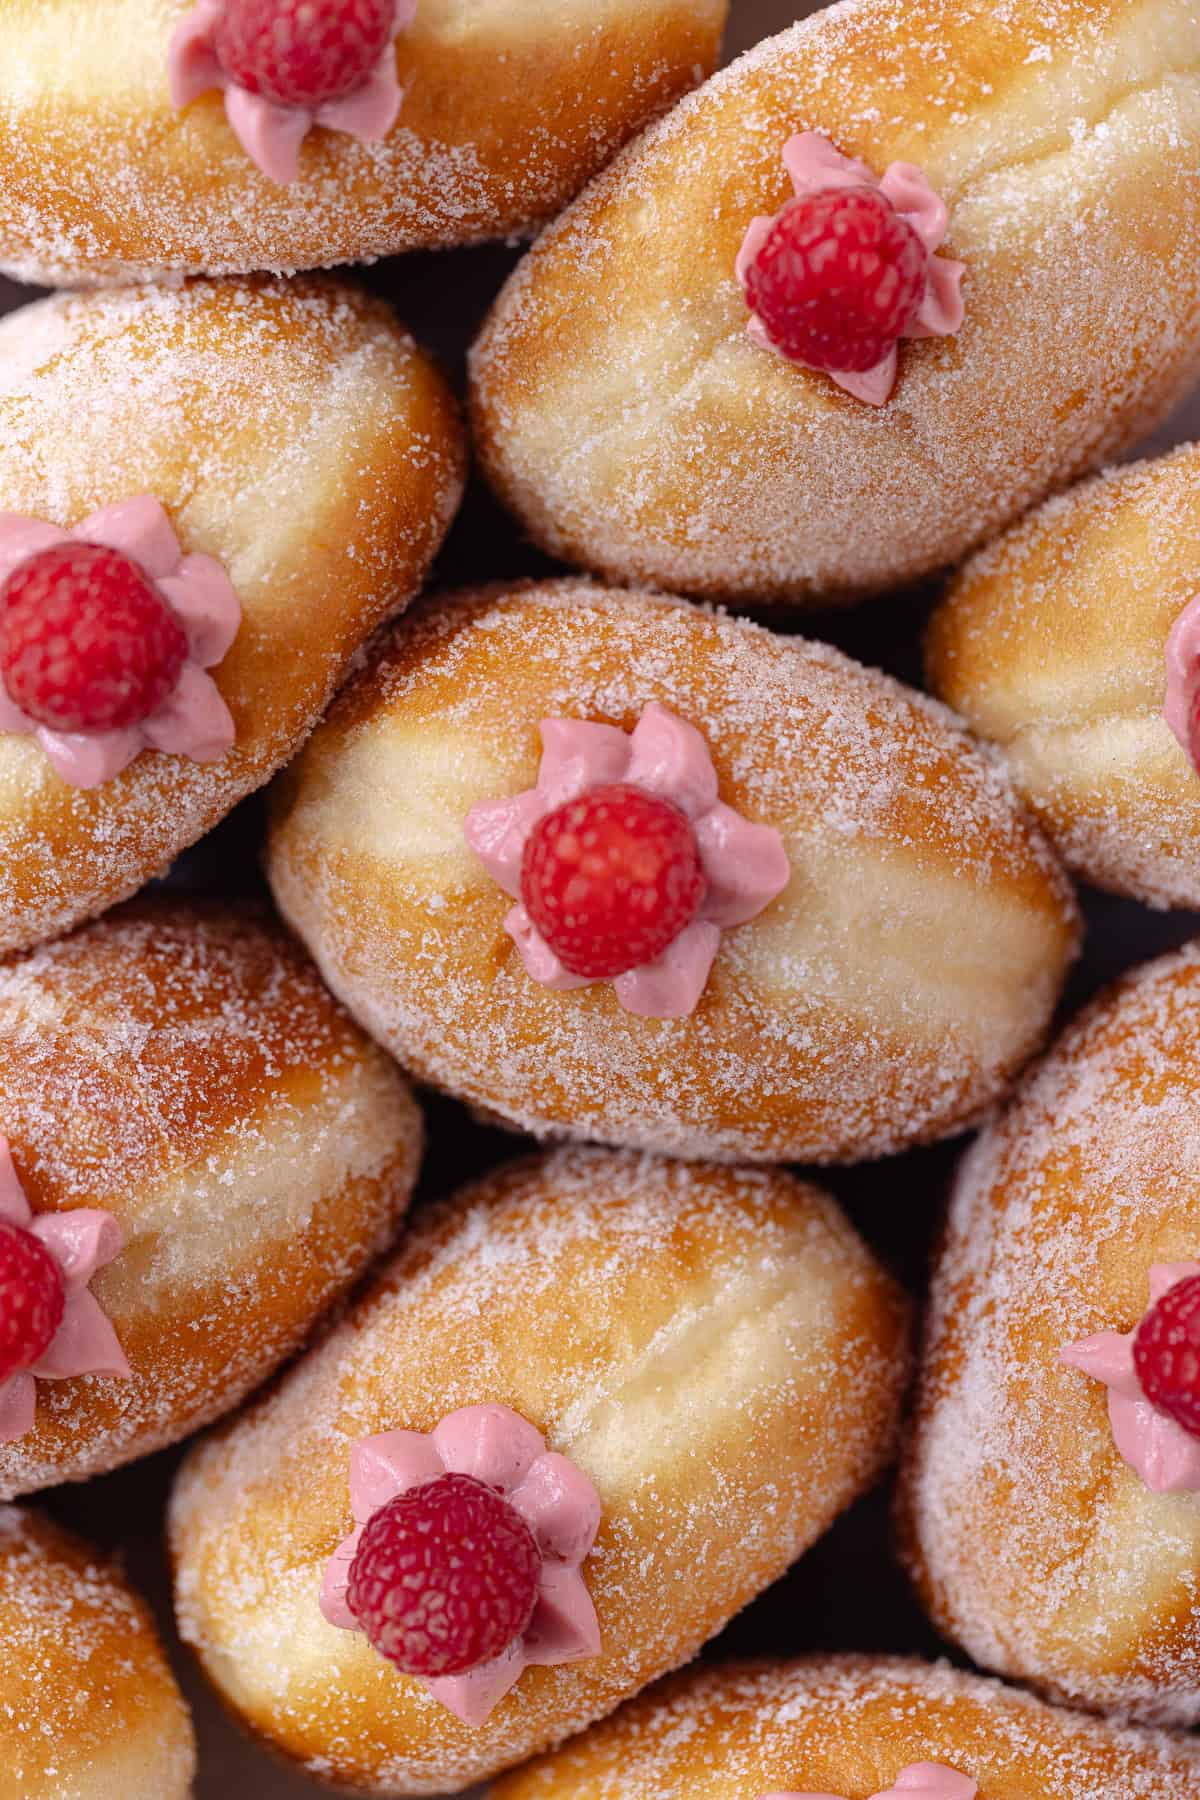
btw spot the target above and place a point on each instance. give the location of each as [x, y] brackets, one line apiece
[683, 896]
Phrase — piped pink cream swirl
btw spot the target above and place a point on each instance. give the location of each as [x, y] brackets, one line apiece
[557, 1502]
[919, 1781]
[194, 721]
[1182, 709]
[81, 1242]
[815, 166]
[271, 135]
[1154, 1445]
[745, 865]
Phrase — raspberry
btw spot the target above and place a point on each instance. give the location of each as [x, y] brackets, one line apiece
[611, 879]
[86, 641]
[303, 52]
[1166, 1354]
[32, 1299]
[838, 280]
[444, 1577]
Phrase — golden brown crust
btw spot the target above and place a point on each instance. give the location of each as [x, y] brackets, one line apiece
[293, 431]
[807, 1044]
[848, 1725]
[1052, 644]
[1033, 1543]
[183, 1068]
[507, 111]
[88, 1706]
[714, 1348]
[624, 414]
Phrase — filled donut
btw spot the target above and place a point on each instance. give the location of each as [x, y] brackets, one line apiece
[140, 138]
[854, 1728]
[844, 936]
[89, 1709]
[1051, 1497]
[597, 1404]
[858, 302]
[200, 1153]
[209, 497]
[1072, 644]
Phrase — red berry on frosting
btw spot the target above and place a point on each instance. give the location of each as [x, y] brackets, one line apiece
[32, 1299]
[445, 1577]
[303, 52]
[839, 278]
[1166, 1354]
[87, 643]
[611, 879]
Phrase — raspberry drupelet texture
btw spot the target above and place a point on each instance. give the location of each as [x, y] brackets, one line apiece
[303, 52]
[87, 643]
[611, 879]
[838, 280]
[32, 1299]
[1166, 1354]
[445, 1577]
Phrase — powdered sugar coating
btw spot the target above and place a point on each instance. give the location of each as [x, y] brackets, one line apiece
[1035, 1544]
[508, 108]
[1053, 643]
[88, 1707]
[294, 433]
[806, 1043]
[847, 1724]
[182, 1068]
[626, 418]
[713, 1348]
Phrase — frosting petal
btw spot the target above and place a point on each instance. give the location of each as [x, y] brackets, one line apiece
[22, 538]
[564, 1627]
[139, 529]
[270, 135]
[390, 1464]
[88, 762]
[194, 722]
[370, 112]
[919, 1781]
[671, 987]
[1183, 671]
[335, 1581]
[560, 1507]
[745, 865]
[671, 760]
[1156, 1447]
[14, 1207]
[202, 596]
[192, 66]
[84, 1344]
[471, 1697]
[492, 1443]
[80, 1242]
[18, 1407]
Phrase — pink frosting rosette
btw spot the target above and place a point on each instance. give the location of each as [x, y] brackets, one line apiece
[815, 166]
[919, 1781]
[745, 865]
[271, 135]
[1183, 680]
[1153, 1444]
[194, 721]
[81, 1242]
[556, 1501]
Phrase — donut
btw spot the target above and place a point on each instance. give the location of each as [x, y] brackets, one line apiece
[1066, 643]
[886, 1727]
[89, 1709]
[1024, 174]
[273, 469]
[676, 1375]
[200, 1154]
[1049, 1500]
[123, 159]
[889, 991]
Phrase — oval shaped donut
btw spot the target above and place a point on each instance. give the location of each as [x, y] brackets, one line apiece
[293, 432]
[1052, 644]
[885, 997]
[508, 108]
[181, 1067]
[848, 1725]
[1033, 1543]
[715, 1349]
[624, 414]
[89, 1709]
